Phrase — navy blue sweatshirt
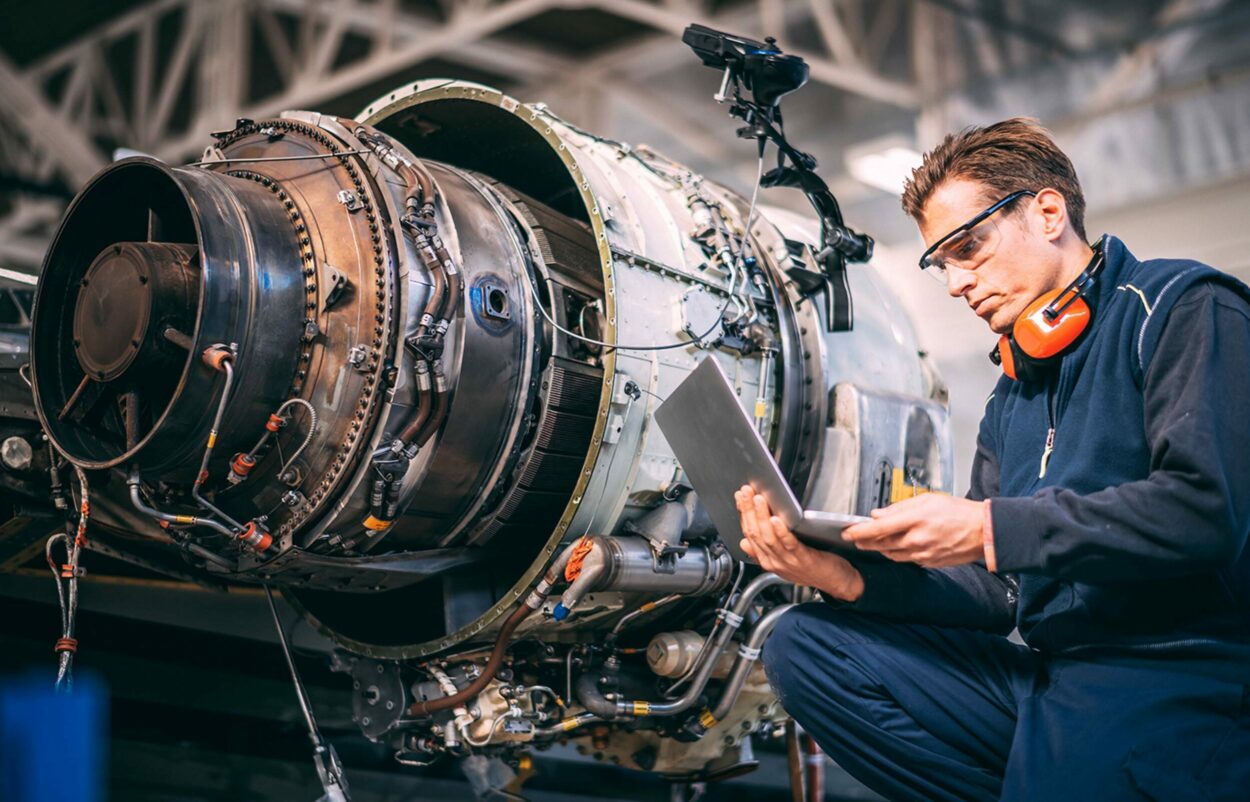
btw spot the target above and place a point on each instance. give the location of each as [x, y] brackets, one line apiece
[1134, 537]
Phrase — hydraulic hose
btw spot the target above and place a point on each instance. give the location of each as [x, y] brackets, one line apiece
[425, 402]
[535, 600]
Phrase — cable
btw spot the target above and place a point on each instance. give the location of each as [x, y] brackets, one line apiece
[67, 595]
[281, 158]
[312, 429]
[695, 340]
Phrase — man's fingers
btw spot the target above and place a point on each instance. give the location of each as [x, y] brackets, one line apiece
[746, 508]
[877, 528]
[785, 538]
[763, 518]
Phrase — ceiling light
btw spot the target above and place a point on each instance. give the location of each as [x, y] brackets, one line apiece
[884, 163]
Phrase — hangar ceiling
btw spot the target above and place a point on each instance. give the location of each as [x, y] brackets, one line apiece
[1119, 81]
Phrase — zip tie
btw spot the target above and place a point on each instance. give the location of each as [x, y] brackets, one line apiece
[749, 652]
[729, 617]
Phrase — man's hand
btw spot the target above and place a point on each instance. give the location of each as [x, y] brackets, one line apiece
[933, 530]
[769, 542]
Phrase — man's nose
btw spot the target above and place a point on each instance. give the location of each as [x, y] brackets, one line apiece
[959, 281]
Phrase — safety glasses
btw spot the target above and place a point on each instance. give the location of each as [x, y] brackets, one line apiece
[970, 245]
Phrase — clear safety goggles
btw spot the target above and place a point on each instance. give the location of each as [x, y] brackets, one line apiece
[969, 246]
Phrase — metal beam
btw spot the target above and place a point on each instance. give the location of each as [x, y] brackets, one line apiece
[1138, 73]
[390, 30]
[25, 251]
[28, 108]
[833, 32]
[846, 77]
[435, 42]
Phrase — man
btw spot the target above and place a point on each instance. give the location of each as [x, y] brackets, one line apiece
[1107, 520]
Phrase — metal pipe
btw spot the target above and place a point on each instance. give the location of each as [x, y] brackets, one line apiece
[748, 653]
[732, 619]
[224, 364]
[566, 724]
[205, 554]
[646, 608]
[593, 567]
[152, 512]
[629, 564]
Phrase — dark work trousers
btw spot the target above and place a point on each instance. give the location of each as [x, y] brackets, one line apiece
[937, 713]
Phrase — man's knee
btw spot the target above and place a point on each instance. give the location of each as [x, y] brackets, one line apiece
[805, 649]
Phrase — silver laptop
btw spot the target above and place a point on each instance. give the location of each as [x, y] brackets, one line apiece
[720, 450]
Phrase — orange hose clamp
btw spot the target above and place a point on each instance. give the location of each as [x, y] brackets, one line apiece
[240, 467]
[215, 357]
[275, 423]
[255, 536]
[376, 524]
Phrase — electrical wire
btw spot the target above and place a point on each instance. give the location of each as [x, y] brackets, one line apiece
[312, 429]
[683, 344]
[608, 475]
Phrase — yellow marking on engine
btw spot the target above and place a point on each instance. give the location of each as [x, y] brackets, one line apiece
[901, 489]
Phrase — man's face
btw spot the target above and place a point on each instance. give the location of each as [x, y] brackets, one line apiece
[1021, 263]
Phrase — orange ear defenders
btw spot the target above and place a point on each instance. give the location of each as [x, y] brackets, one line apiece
[1048, 327]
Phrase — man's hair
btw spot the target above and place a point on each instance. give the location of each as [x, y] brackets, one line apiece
[1007, 156]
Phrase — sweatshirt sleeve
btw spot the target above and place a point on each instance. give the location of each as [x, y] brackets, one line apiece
[1192, 512]
[966, 596]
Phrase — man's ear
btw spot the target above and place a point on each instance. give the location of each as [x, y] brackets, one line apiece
[1054, 211]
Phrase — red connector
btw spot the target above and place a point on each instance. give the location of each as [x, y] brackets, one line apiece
[240, 467]
[255, 536]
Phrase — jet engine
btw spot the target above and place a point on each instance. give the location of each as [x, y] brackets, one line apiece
[402, 368]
